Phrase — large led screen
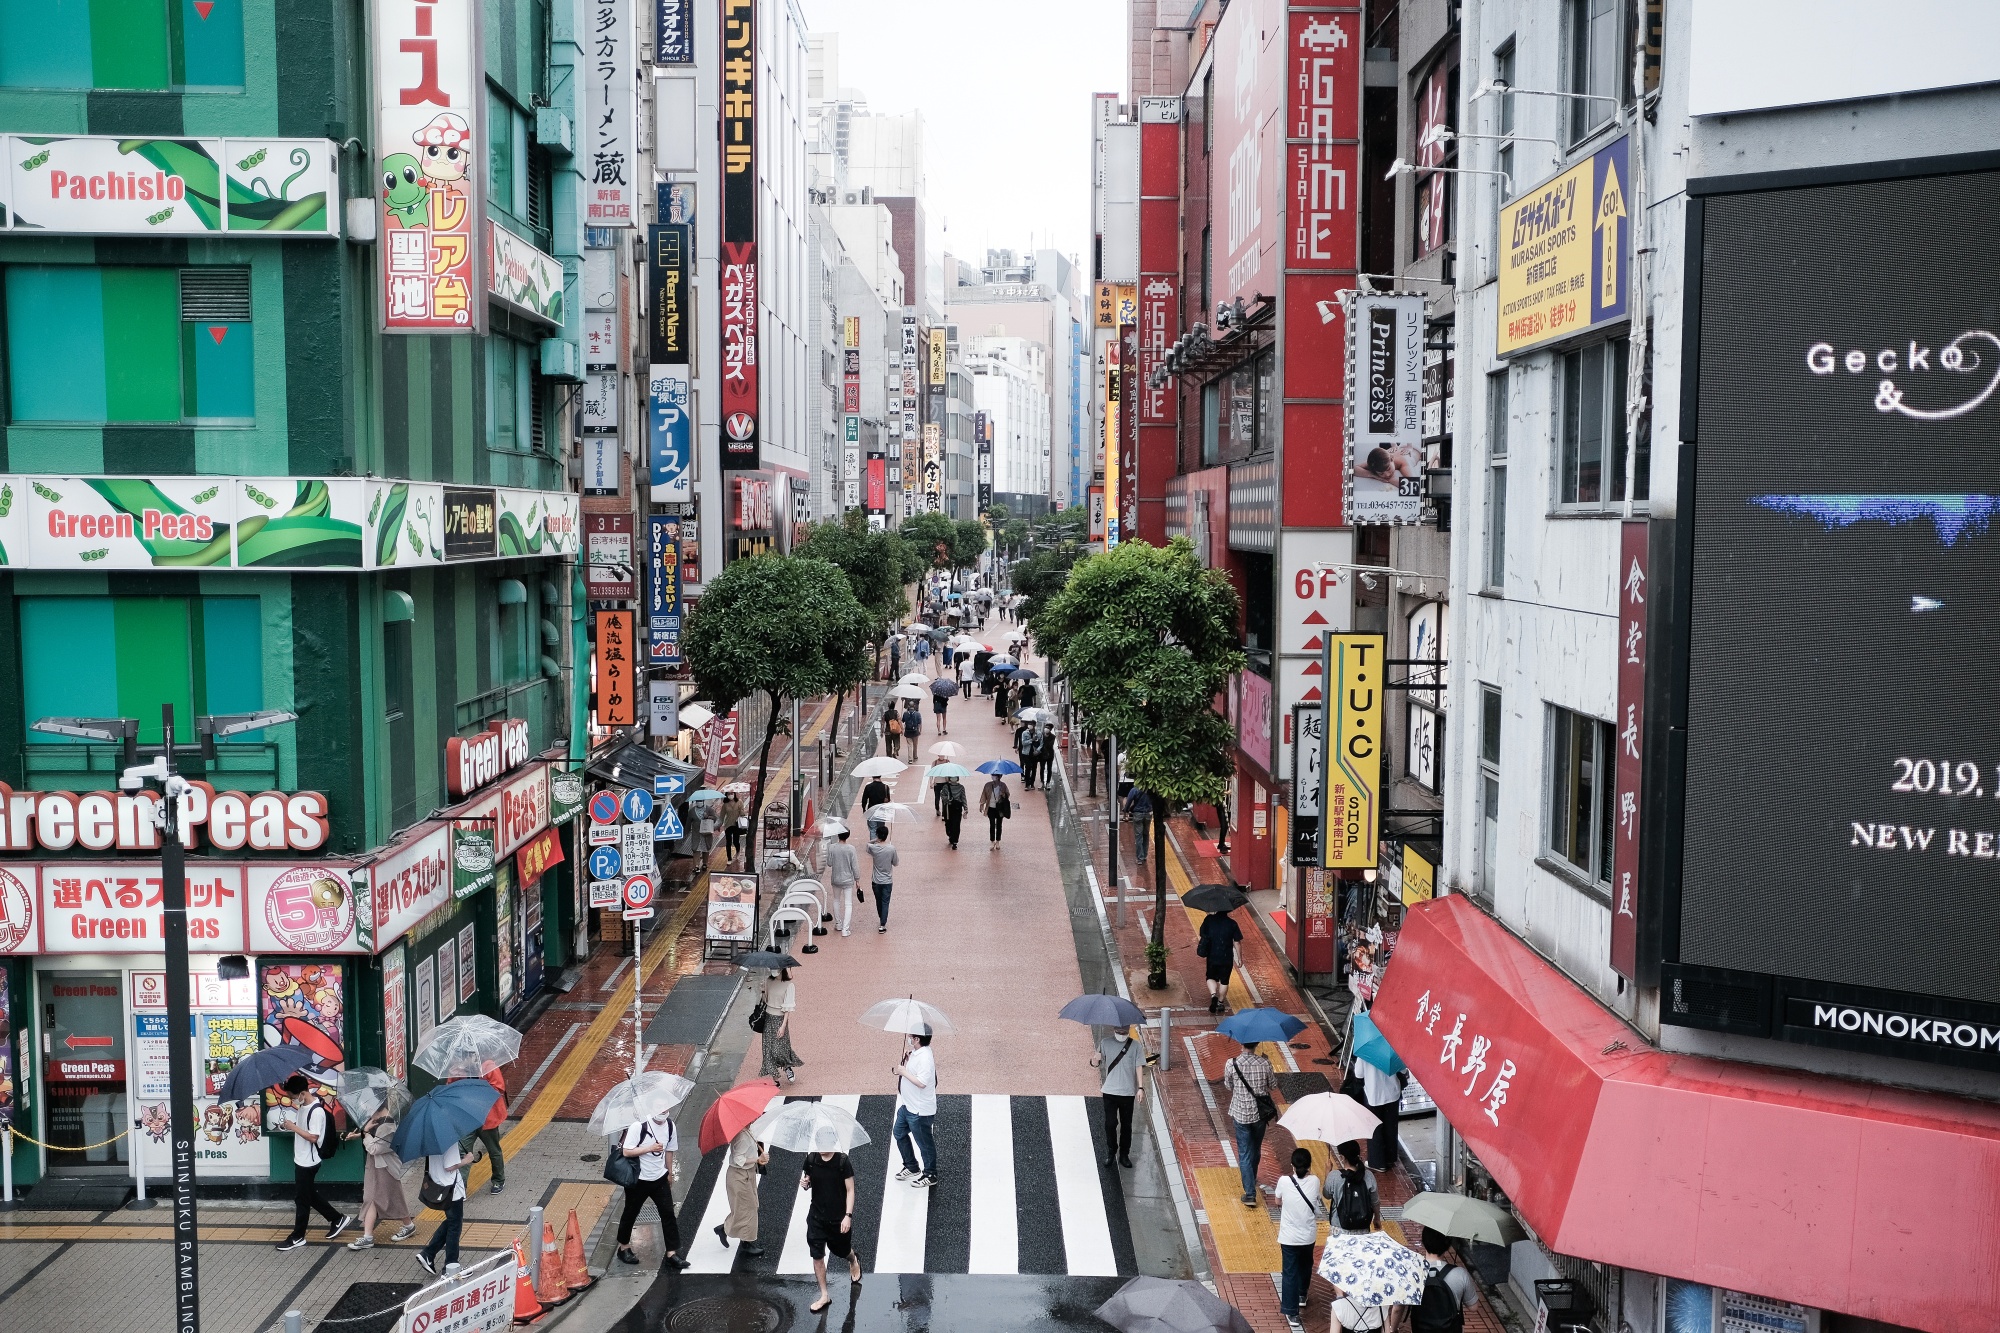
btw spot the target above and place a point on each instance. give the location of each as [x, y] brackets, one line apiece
[1842, 798]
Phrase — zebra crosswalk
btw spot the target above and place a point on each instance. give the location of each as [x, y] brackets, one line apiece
[1021, 1190]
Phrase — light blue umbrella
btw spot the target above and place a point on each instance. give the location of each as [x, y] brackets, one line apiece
[999, 766]
[443, 1116]
[1251, 1026]
[948, 771]
[1372, 1046]
[705, 794]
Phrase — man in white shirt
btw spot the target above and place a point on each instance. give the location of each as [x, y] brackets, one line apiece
[442, 1170]
[843, 871]
[312, 1140]
[916, 1103]
[1298, 1230]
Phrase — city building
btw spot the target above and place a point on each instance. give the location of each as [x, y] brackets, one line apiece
[1010, 385]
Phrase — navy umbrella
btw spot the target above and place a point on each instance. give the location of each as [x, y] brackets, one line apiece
[1110, 1011]
[263, 1069]
[444, 1115]
[1022, 673]
[944, 685]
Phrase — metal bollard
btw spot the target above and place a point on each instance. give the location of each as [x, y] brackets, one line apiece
[1166, 1038]
[295, 1321]
[7, 1166]
[535, 1244]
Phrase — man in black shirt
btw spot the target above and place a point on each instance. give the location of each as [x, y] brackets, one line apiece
[830, 1216]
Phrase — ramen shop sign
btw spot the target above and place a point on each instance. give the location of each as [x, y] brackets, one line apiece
[103, 821]
[473, 761]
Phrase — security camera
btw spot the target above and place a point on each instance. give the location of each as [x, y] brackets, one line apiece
[132, 779]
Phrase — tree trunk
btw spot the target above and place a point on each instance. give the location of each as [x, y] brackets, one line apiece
[757, 793]
[1157, 972]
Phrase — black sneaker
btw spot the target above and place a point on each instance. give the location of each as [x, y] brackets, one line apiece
[426, 1263]
[333, 1232]
[291, 1244]
[927, 1181]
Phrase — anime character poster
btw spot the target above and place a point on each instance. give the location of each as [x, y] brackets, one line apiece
[6, 1056]
[304, 1003]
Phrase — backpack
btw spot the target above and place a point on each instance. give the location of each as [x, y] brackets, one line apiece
[1352, 1211]
[895, 726]
[1438, 1312]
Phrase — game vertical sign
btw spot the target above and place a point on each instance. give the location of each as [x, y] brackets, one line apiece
[610, 133]
[1159, 309]
[739, 235]
[1633, 580]
[429, 133]
[669, 387]
[850, 410]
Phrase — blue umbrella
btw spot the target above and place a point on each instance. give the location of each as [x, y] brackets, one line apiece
[999, 766]
[263, 1069]
[1372, 1046]
[1110, 1011]
[1251, 1026]
[942, 686]
[443, 1116]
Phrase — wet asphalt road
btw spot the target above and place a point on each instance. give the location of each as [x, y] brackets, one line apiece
[882, 1303]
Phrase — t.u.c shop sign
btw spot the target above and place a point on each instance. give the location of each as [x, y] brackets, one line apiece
[106, 821]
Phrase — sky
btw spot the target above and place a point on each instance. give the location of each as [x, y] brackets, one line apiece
[1004, 87]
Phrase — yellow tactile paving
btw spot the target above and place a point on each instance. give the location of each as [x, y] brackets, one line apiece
[1246, 1239]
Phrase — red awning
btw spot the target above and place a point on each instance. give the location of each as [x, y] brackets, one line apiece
[1846, 1196]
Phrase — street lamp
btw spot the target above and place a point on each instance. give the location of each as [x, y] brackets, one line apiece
[1439, 135]
[1404, 167]
[174, 937]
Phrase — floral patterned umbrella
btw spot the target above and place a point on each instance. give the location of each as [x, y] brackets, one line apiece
[1373, 1268]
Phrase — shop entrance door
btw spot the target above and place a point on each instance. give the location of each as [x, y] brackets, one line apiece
[83, 1069]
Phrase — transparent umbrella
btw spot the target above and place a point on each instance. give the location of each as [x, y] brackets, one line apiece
[881, 766]
[810, 1127]
[362, 1091]
[905, 1015]
[462, 1047]
[639, 1098]
[946, 750]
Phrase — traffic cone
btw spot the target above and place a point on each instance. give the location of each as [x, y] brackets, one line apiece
[575, 1273]
[552, 1290]
[526, 1308]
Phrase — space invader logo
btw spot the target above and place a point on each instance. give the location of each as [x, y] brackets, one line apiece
[1323, 35]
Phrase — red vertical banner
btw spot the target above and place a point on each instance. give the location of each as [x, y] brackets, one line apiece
[1631, 729]
[739, 234]
[617, 688]
[878, 485]
[1159, 312]
[1128, 428]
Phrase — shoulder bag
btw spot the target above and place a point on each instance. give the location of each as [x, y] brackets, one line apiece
[1266, 1108]
[759, 1016]
[433, 1195]
[619, 1169]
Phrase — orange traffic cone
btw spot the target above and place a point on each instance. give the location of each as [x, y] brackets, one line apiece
[551, 1289]
[575, 1273]
[526, 1308]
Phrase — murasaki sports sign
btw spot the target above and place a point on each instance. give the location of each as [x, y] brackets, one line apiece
[102, 821]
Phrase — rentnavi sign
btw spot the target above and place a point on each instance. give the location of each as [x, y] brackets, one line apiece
[102, 821]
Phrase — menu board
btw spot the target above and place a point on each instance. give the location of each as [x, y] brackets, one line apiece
[732, 910]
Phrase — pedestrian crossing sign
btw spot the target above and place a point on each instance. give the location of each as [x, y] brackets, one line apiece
[669, 828]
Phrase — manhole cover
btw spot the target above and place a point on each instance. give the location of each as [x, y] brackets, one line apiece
[730, 1314]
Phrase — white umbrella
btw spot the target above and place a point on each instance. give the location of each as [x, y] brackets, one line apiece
[909, 1015]
[462, 1047]
[809, 1127]
[914, 678]
[1035, 715]
[946, 750]
[1016, 635]
[967, 641]
[916, 692]
[881, 766]
[1329, 1117]
[829, 827]
[638, 1098]
[888, 812]
[1371, 1268]
[696, 715]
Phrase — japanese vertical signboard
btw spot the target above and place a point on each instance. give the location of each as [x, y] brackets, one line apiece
[1630, 727]
[1385, 409]
[982, 433]
[617, 687]
[670, 393]
[933, 468]
[430, 93]
[609, 136]
[607, 553]
[850, 409]
[1308, 737]
[663, 598]
[1111, 405]
[903, 438]
[674, 32]
[1349, 813]
[739, 234]
[1563, 253]
[1158, 313]
[937, 359]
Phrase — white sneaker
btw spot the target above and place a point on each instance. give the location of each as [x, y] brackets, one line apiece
[907, 1174]
[845, 933]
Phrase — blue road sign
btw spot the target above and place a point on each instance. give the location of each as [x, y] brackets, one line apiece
[604, 862]
[670, 784]
[637, 805]
[669, 828]
[604, 807]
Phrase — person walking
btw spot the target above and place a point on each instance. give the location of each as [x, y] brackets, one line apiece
[1298, 1232]
[882, 853]
[1119, 1059]
[1247, 1078]
[1219, 942]
[442, 1174]
[913, 724]
[921, 650]
[951, 804]
[997, 804]
[895, 656]
[1027, 696]
[828, 1183]
[747, 1160]
[1353, 1200]
[488, 1132]
[1449, 1290]
[843, 870]
[1000, 708]
[1027, 749]
[892, 731]
[708, 823]
[1045, 758]
[735, 825]
[939, 704]
[916, 1105]
[312, 1139]
[1139, 813]
[383, 1197]
[780, 998]
[653, 1142]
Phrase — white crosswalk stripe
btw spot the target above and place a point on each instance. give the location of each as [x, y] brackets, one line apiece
[1086, 1232]
[995, 1248]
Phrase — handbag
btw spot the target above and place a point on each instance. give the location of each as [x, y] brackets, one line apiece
[758, 1017]
[619, 1169]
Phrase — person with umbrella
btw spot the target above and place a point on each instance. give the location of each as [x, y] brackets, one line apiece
[652, 1143]
[1119, 1060]
[1045, 754]
[488, 1132]
[1027, 747]
[780, 997]
[996, 803]
[874, 794]
[951, 804]
[734, 826]
[942, 690]
[828, 1181]
[921, 650]
[1247, 1078]
[1000, 704]
[312, 1139]
[1221, 940]
[382, 1192]
[916, 1106]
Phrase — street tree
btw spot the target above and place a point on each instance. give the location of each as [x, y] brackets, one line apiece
[873, 560]
[1146, 638]
[782, 627]
[934, 537]
[968, 543]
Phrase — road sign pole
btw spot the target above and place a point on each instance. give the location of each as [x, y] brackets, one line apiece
[638, 988]
[180, 1051]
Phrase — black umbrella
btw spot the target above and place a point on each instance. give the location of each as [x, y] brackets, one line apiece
[766, 958]
[1214, 898]
[263, 1069]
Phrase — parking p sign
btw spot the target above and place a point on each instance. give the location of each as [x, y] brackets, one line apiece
[604, 862]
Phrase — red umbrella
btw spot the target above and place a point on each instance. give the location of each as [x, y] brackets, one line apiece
[735, 1109]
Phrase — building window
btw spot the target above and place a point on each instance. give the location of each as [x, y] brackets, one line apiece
[1498, 409]
[124, 44]
[1593, 67]
[1266, 371]
[1580, 795]
[93, 345]
[1593, 426]
[1503, 158]
[510, 407]
[1211, 423]
[1489, 789]
[507, 183]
